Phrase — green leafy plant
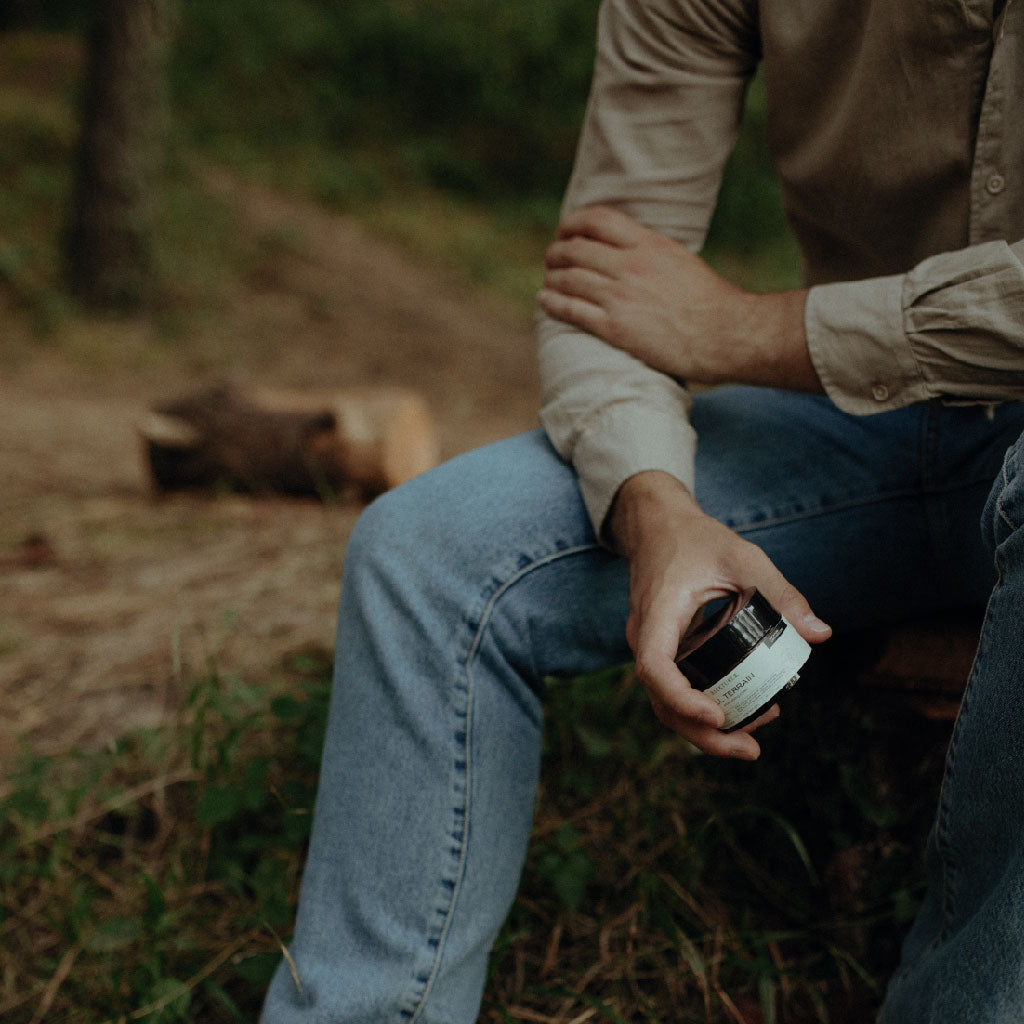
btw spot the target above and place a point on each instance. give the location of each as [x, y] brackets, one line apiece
[151, 882]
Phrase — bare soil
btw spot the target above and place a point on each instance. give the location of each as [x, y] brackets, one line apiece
[113, 600]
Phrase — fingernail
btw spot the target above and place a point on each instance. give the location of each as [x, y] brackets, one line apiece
[748, 751]
[714, 717]
[815, 625]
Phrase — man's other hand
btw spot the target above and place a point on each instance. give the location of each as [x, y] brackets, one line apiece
[642, 292]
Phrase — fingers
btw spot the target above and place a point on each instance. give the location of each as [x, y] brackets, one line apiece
[574, 310]
[576, 251]
[669, 687]
[794, 607]
[602, 223]
[691, 713]
[707, 738]
[577, 280]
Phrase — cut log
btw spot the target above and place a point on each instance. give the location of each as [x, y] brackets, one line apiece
[273, 441]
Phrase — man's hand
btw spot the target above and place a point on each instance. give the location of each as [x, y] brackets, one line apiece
[640, 291]
[679, 559]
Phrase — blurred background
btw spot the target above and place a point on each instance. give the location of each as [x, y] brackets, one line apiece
[320, 196]
[299, 194]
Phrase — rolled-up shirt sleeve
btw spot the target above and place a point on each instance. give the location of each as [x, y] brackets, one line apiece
[664, 108]
[953, 327]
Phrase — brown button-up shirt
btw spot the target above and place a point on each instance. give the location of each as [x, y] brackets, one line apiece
[897, 127]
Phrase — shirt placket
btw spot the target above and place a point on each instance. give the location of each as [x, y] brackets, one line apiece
[990, 171]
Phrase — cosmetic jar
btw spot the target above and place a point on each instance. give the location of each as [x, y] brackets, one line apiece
[743, 655]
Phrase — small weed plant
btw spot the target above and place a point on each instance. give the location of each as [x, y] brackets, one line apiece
[151, 882]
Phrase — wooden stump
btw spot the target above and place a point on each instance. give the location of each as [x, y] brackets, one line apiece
[925, 662]
[275, 441]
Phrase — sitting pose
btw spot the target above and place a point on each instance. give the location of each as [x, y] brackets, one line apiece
[869, 426]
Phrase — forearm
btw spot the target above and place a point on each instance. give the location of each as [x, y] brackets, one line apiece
[658, 154]
[762, 340]
[609, 415]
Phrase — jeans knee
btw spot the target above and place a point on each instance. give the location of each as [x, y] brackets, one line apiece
[408, 548]
[389, 534]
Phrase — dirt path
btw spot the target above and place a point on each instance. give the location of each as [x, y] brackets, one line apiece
[111, 601]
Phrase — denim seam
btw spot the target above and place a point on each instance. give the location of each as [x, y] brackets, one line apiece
[465, 738]
[1000, 505]
[850, 503]
[942, 847]
[941, 826]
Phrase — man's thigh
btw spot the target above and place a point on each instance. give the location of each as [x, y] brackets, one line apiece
[872, 518]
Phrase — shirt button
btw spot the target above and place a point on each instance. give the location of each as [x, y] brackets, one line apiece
[880, 392]
[995, 184]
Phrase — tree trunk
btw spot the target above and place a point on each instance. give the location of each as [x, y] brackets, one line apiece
[109, 242]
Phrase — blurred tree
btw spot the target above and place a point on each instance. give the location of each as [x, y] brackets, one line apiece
[109, 239]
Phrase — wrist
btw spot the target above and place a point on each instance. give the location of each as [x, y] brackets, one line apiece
[769, 344]
[647, 502]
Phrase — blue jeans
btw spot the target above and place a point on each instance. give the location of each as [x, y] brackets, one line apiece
[964, 957]
[466, 587]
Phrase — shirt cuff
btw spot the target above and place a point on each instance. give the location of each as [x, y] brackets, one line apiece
[857, 342]
[641, 439]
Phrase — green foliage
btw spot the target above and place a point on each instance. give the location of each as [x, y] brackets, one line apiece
[474, 96]
[448, 125]
[37, 136]
[358, 103]
[152, 880]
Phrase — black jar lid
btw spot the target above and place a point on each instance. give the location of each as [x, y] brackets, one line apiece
[722, 640]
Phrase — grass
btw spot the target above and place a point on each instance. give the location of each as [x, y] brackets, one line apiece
[156, 880]
[150, 881]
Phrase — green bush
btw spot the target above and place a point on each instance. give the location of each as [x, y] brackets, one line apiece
[483, 97]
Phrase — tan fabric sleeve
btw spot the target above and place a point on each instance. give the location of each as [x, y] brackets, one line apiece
[953, 327]
[664, 107]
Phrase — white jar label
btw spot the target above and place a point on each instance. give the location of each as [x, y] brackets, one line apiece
[760, 675]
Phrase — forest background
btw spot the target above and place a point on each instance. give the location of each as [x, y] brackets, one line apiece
[150, 856]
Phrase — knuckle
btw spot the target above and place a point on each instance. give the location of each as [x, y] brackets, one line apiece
[575, 249]
[614, 329]
[643, 670]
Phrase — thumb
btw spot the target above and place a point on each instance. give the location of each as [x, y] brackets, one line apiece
[793, 606]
